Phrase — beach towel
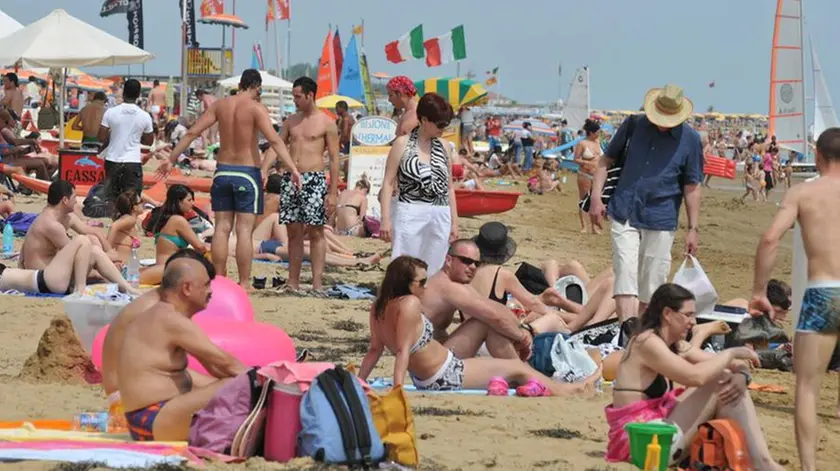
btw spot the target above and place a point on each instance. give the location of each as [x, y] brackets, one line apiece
[382, 383]
[113, 458]
[290, 372]
[618, 446]
[14, 292]
[346, 291]
[282, 263]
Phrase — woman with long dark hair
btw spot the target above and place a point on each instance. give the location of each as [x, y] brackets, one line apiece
[398, 323]
[423, 219]
[656, 357]
[123, 233]
[172, 231]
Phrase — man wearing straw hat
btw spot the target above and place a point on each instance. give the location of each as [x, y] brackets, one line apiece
[662, 165]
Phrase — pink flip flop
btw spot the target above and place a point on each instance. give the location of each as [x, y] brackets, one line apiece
[533, 388]
[497, 386]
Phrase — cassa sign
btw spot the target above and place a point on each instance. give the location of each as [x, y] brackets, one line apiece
[374, 131]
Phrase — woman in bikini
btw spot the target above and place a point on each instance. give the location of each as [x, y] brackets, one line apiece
[351, 209]
[172, 232]
[123, 234]
[66, 273]
[587, 153]
[656, 357]
[397, 323]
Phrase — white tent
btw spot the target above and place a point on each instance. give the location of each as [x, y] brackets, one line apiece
[8, 25]
[276, 93]
[60, 40]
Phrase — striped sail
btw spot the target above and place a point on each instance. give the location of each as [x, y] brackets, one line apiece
[787, 87]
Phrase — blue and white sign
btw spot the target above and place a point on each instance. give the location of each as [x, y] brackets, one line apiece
[374, 131]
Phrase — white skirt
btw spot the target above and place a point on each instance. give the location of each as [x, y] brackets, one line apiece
[421, 231]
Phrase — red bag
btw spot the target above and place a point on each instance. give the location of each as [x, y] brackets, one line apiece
[720, 444]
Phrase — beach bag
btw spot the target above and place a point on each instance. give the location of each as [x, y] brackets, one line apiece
[395, 424]
[21, 222]
[96, 204]
[719, 444]
[614, 172]
[231, 423]
[694, 279]
[760, 332]
[571, 362]
[336, 422]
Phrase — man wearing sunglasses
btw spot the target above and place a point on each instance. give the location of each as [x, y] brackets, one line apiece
[449, 291]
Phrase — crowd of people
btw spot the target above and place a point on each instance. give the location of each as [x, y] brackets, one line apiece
[281, 201]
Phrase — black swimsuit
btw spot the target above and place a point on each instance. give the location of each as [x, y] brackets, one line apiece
[658, 388]
[503, 300]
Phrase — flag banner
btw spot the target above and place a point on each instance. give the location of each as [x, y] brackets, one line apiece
[358, 29]
[212, 7]
[409, 46]
[113, 7]
[135, 23]
[447, 48]
[492, 81]
[191, 39]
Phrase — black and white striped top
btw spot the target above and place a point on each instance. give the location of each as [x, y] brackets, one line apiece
[420, 182]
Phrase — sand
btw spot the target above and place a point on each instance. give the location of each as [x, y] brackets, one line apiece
[454, 432]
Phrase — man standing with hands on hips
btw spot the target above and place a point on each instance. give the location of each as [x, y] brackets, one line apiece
[237, 192]
[662, 163]
[304, 209]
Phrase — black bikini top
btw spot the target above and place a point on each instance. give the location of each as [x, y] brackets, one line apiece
[658, 388]
[492, 296]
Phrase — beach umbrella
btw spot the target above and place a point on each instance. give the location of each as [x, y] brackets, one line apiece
[381, 75]
[8, 25]
[223, 19]
[457, 91]
[537, 127]
[329, 102]
[61, 40]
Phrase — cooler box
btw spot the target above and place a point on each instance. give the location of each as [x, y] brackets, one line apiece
[88, 315]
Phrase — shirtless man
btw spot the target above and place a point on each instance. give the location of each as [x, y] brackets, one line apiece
[814, 205]
[345, 126]
[116, 332]
[403, 95]
[90, 118]
[48, 233]
[13, 97]
[157, 101]
[211, 135]
[448, 291]
[158, 392]
[309, 132]
[237, 190]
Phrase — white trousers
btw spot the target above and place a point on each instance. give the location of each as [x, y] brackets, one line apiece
[641, 260]
[421, 231]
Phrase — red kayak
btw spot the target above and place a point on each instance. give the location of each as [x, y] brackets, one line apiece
[203, 184]
[42, 186]
[476, 203]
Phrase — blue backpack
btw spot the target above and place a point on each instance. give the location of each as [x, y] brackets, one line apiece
[336, 423]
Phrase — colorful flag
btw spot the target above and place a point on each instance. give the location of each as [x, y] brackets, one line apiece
[257, 57]
[409, 46]
[358, 29]
[495, 71]
[212, 7]
[446, 48]
[492, 80]
[278, 10]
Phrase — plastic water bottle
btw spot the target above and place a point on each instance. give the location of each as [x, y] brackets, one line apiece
[8, 238]
[514, 306]
[133, 269]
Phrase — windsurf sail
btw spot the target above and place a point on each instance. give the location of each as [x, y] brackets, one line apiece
[327, 73]
[577, 106]
[787, 71]
[824, 115]
[370, 98]
[350, 84]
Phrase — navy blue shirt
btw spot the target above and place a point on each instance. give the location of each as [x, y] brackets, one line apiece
[659, 164]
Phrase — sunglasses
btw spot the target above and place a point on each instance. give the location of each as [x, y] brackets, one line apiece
[467, 260]
[442, 124]
[422, 282]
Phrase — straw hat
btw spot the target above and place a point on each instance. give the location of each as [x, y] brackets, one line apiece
[667, 107]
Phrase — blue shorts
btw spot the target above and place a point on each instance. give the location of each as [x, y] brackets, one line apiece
[820, 308]
[541, 352]
[270, 246]
[237, 188]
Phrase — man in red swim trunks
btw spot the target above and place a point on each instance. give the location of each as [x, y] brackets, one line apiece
[158, 392]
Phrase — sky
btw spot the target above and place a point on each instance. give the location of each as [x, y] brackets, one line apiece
[629, 46]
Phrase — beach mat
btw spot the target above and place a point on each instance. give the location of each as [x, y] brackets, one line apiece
[14, 292]
[111, 457]
[381, 384]
[282, 263]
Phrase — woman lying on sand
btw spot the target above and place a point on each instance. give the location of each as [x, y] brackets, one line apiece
[658, 356]
[398, 323]
[67, 272]
[172, 232]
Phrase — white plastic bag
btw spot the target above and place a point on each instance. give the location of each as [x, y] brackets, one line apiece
[571, 362]
[694, 279]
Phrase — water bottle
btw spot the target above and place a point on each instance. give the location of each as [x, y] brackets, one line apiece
[133, 269]
[8, 238]
[514, 306]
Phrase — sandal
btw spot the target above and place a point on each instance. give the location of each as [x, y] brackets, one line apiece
[533, 388]
[497, 386]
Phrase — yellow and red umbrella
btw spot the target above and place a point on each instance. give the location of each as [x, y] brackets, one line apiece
[224, 19]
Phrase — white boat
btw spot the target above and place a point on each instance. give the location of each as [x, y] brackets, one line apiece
[577, 105]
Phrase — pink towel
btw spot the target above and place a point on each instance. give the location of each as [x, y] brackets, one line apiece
[618, 446]
[290, 372]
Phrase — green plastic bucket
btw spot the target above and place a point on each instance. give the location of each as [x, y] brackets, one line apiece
[641, 434]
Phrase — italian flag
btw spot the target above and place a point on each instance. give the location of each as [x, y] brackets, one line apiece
[447, 48]
[410, 46]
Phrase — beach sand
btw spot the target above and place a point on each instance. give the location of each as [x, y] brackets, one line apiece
[453, 432]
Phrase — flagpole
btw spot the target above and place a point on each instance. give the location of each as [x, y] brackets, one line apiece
[277, 49]
[363, 35]
[289, 38]
[184, 90]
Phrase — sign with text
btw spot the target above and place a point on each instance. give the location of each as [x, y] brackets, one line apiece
[207, 62]
[368, 161]
[81, 167]
[374, 131]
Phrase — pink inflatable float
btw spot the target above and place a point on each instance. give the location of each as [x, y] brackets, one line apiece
[252, 343]
[229, 301]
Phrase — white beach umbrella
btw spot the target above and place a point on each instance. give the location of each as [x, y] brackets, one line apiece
[61, 40]
[8, 25]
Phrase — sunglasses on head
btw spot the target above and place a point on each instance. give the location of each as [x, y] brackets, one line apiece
[467, 260]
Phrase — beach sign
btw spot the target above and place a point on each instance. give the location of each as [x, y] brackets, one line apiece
[371, 142]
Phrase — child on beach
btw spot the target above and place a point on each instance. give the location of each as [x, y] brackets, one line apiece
[813, 205]
[750, 181]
